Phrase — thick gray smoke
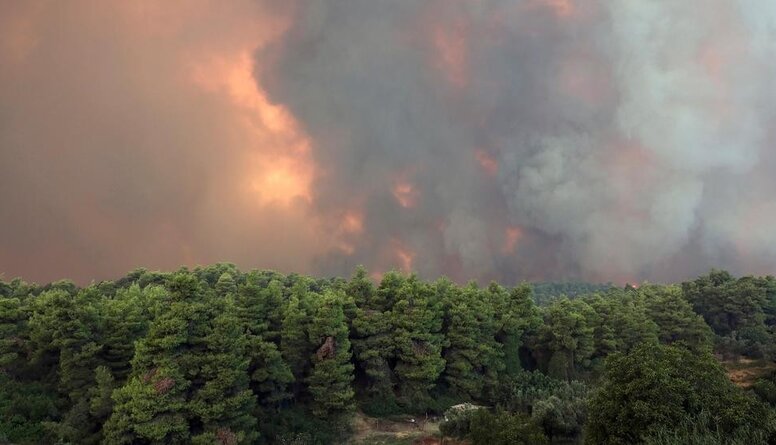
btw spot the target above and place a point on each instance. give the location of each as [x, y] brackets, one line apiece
[538, 139]
[508, 139]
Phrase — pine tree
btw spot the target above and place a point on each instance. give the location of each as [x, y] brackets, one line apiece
[63, 343]
[189, 379]
[295, 345]
[473, 357]
[566, 337]
[418, 339]
[622, 323]
[517, 317]
[225, 285]
[224, 404]
[12, 326]
[123, 320]
[332, 372]
[270, 374]
[674, 317]
[371, 336]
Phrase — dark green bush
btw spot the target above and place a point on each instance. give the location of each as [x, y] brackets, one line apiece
[504, 429]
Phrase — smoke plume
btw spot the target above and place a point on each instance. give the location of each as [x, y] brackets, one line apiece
[538, 139]
[498, 139]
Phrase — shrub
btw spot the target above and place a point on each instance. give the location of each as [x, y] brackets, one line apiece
[504, 429]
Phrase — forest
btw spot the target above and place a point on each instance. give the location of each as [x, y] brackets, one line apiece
[213, 355]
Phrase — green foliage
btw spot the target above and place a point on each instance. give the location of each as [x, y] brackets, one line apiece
[189, 376]
[473, 357]
[298, 426]
[765, 389]
[557, 406]
[675, 319]
[418, 339]
[504, 429]
[517, 318]
[622, 323]
[739, 311]
[457, 421]
[215, 355]
[332, 373]
[546, 293]
[270, 375]
[695, 430]
[295, 345]
[372, 341]
[648, 389]
[24, 407]
[566, 338]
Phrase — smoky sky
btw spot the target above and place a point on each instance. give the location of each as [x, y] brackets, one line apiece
[509, 140]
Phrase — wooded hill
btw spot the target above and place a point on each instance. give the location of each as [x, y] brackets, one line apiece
[217, 356]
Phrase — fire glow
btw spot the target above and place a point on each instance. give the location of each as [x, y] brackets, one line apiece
[283, 169]
[561, 8]
[511, 237]
[488, 163]
[405, 194]
[405, 257]
[353, 222]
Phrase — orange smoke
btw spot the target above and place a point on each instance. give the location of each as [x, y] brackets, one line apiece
[405, 194]
[561, 8]
[512, 236]
[405, 257]
[353, 222]
[452, 54]
[20, 36]
[581, 76]
[488, 163]
[283, 169]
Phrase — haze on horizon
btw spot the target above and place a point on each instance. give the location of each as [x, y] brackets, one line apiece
[503, 139]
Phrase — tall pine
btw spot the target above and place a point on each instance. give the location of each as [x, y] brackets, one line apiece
[189, 379]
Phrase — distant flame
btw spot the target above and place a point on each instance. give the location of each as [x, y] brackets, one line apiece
[561, 8]
[282, 182]
[405, 257]
[488, 163]
[511, 237]
[405, 194]
[346, 248]
[284, 169]
[352, 222]
[451, 47]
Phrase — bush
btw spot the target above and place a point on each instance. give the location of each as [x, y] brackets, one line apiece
[696, 430]
[504, 429]
[647, 390]
[376, 406]
[765, 389]
[297, 426]
[457, 421]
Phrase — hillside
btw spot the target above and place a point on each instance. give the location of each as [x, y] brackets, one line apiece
[216, 355]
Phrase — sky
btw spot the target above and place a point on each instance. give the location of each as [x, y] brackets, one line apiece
[501, 139]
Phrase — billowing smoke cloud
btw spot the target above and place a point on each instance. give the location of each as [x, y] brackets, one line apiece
[133, 134]
[499, 139]
[538, 138]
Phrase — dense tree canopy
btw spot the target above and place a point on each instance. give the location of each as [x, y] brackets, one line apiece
[216, 355]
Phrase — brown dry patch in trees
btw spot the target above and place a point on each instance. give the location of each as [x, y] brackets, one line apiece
[163, 385]
[327, 350]
[401, 428]
[225, 436]
[149, 375]
[744, 372]
[420, 348]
